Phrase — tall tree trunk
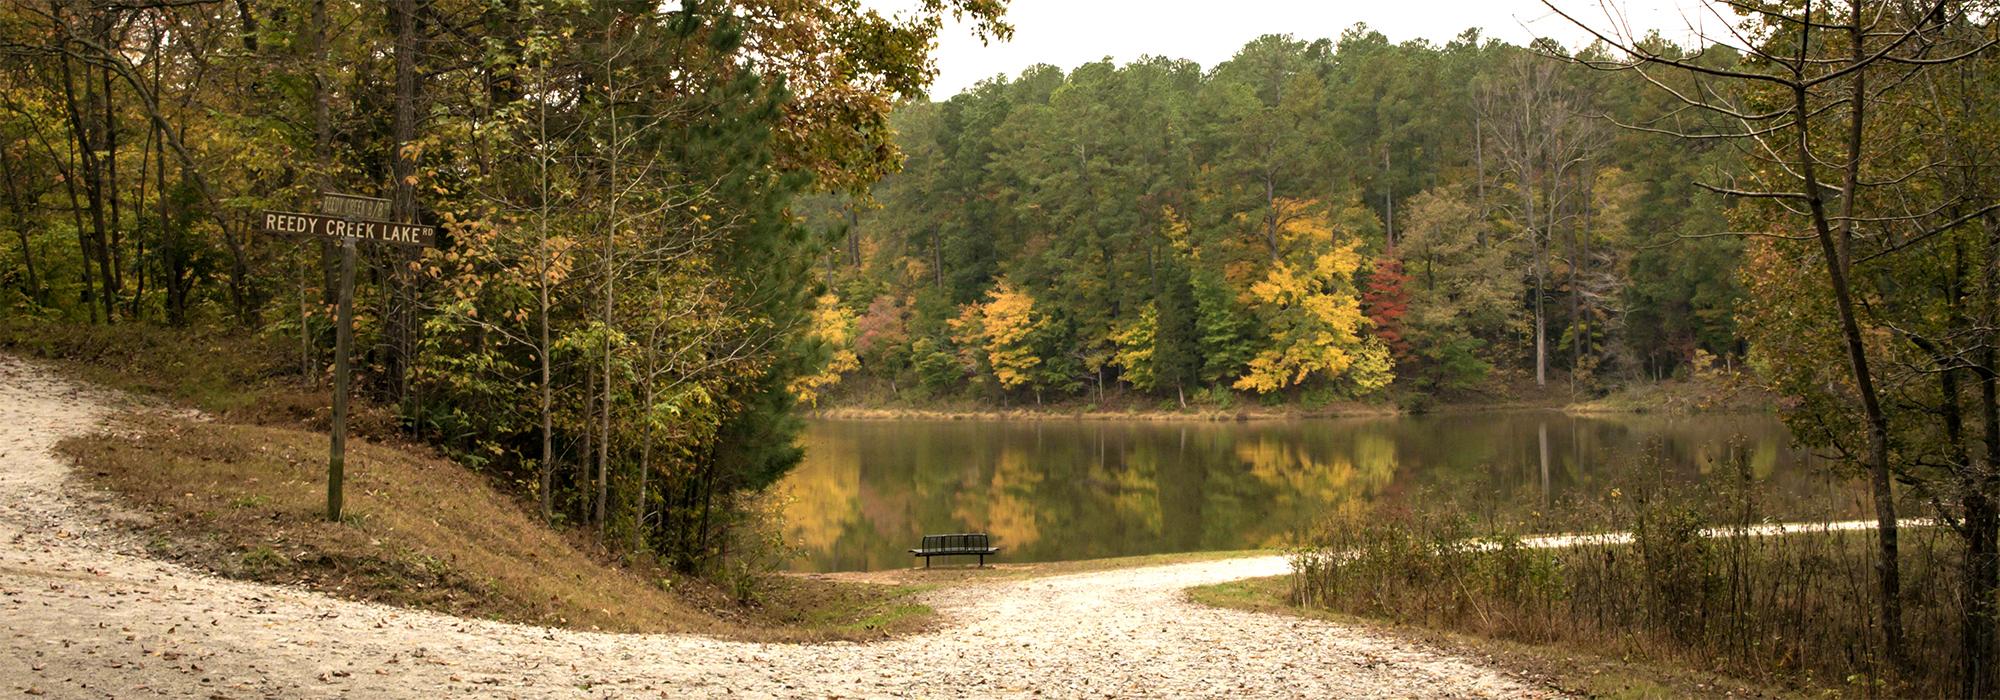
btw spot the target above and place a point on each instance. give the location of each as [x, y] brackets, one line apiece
[401, 314]
[1981, 678]
[1388, 200]
[1833, 248]
[585, 457]
[1540, 244]
[322, 126]
[1479, 174]
[645, 444]
[545, 268]
[173, 255]
[18, 210]
[82, 113]
[322, 170]
[853, 236]
[1271, 213]
[610, 289]
[937, 257]
[113, 245]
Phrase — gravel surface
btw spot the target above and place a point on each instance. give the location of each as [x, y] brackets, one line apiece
[84, 613]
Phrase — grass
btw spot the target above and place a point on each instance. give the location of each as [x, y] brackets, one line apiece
[1571, 671]
[232, 375]
[240, 491]
[247, 502]
[1793, 611]
[1705, 394]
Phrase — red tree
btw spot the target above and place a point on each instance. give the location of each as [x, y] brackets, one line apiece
[1386, 300]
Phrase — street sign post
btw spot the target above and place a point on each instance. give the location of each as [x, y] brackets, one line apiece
[349, 219]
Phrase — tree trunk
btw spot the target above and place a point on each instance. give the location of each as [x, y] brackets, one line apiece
[542, 283]
[1540, 244]
[585, 457]
[610, 291]
[112, 240]
[1388, 200]
[1271, 216]
[1888, 575]
[1982, 513]
[1479, 177]
[19, 211]
[400, 317]
[88, 166]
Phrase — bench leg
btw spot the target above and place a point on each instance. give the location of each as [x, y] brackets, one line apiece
[927, 561]
[982, 561]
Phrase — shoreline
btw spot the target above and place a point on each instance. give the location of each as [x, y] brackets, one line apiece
[1247, 415]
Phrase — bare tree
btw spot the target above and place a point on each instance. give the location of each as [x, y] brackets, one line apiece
[1801, 107]
[1541, 135]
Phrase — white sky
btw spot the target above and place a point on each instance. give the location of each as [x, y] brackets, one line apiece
[1068, 33]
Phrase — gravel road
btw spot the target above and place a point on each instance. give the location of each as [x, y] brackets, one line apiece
[84, 613]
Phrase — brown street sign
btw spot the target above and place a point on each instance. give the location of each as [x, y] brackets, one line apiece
[353, 206]
[349, 219]
[298, 224]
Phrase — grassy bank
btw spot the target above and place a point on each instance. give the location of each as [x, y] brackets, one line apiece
[1675, 396]
[1795, 610]
[1730, 394]
[239, 490]
[1582, 672]
[1093, 412]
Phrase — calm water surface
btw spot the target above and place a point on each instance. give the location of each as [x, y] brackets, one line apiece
[1058, 490]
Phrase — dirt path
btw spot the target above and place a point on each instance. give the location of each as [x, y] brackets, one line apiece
[83, 613]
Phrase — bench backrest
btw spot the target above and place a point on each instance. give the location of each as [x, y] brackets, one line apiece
[963, 540]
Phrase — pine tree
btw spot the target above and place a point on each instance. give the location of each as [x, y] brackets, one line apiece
[1176, 335]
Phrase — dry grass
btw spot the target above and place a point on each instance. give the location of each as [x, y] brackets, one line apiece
[233, 375]
[242, 494]
[1680, 397]
[1574, 671]
[1793, 610]
[247, 502]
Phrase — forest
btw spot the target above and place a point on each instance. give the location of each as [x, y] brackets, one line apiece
[1311, 219]
[607, 326]
[665, 228]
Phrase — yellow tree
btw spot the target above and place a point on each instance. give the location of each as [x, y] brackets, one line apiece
[1136, 341]
[1312, 310]
[1005, 329]
[833, 328]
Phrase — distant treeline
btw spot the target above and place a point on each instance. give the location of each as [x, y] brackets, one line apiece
[1324, 218]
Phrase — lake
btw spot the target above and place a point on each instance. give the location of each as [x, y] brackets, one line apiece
[1052, 490]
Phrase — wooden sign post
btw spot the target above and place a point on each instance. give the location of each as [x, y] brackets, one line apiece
[348, 218]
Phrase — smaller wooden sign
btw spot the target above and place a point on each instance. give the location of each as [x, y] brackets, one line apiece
[353, 206]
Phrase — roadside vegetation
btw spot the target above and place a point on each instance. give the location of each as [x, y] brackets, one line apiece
[238, 490]
[1574, 670]
[1692, 589]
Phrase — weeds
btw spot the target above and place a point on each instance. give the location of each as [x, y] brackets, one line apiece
[1694, 584]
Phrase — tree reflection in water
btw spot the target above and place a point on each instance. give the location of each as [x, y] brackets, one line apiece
[1056, 490]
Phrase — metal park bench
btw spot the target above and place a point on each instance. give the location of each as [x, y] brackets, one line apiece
[967, 544]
